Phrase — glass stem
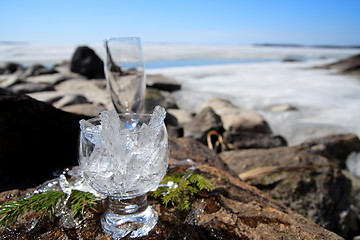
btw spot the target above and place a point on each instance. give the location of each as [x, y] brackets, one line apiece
[128, 206]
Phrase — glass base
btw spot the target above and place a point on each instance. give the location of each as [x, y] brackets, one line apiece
[132, 217]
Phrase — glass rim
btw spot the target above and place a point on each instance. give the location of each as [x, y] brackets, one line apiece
[147, 115]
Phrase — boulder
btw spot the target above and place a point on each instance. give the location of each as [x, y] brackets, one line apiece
[335, 147]
[253, 140]
[349, 65]
[236, 119]
[8, 80]
[190, 148]
[87, 63]
[11, 67]
[202, 123]
[163, 83]
[51, 79]
[87, 88]
[181, 115]
[307, 177]
[36, 139]
[154, 97]
[70, 99]
[29, 87]
[38, 69]
[87, 109]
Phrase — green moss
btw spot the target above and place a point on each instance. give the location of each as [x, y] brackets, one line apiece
[47, 203]
[183, 187]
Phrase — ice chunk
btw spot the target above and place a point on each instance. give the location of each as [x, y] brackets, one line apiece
[126, 160]
[91, 132]
[157, 117]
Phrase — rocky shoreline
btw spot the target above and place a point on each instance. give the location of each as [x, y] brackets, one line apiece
[263, 189]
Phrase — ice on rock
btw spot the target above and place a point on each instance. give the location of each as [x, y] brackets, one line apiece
[125, 160]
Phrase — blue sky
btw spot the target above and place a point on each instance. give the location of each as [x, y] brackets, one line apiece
[308, 22]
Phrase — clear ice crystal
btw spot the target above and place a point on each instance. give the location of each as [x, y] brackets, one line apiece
[91, 132]
[125, 160]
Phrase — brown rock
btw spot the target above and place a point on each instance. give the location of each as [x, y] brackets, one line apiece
[335, 147]
[307, 177]
[154, 97]
[253, 140]
[162, 83]
[189, 148]
[181, 115]
[236, 119]
[202, 123]
[349, 65]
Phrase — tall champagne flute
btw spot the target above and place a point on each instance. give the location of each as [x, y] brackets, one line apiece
[125, 75]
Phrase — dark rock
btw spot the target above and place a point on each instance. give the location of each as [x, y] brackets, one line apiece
[202, 123]
[173, 128]
[12, 67]
[175, 131]
[85, 62]
[70, 99]
[354, 222]
[154, 97]
[335, 147]
[38, 69]
[170, 120]
[189, 148]
[349, 65]
[30, 87]
[253, 140]
[33, 69]
[51, 79]
[87, 109]
[36, 139]
[307, 177]
[162, 83]
[291, 59]
[237, 119]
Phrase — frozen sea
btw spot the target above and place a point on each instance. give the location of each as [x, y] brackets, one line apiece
[251, 77]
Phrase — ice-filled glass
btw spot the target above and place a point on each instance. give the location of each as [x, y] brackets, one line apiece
[125, 164]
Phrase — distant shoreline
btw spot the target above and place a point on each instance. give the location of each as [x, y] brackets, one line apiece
[303, 46]
[285, 45]
[27, 53]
